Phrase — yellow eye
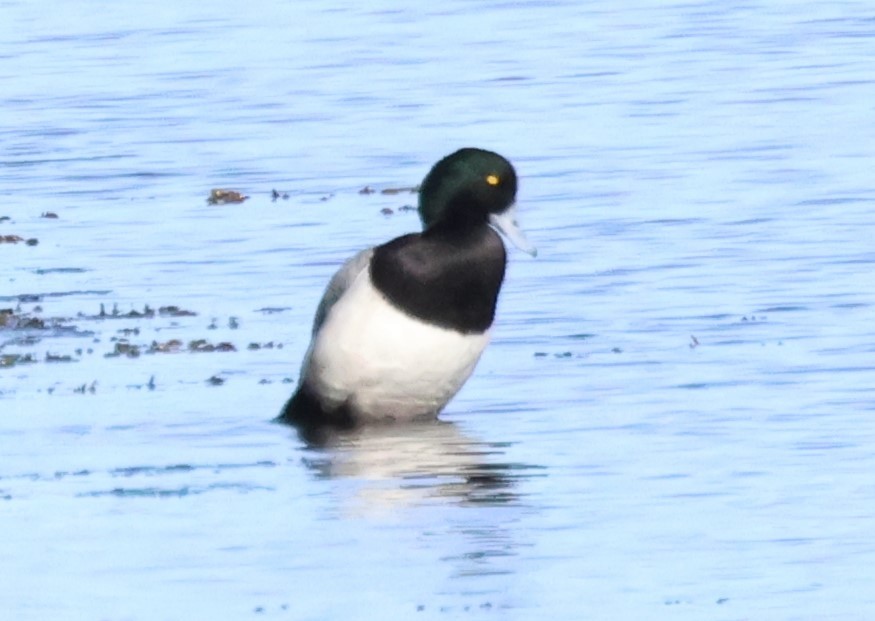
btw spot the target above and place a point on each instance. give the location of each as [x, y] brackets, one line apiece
[492, 179]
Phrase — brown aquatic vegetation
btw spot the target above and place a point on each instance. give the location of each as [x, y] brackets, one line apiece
[31, 327]
[409, 190]
[85, 387]
[14, 239]
[123, 348]
[175, 311]
[174, 346]
[12, 320]
[219, 196]
[391, 191]
[169, 347]
[268, 345]
[147, 312]
[15, 319]
[202, 345]
[10, 360]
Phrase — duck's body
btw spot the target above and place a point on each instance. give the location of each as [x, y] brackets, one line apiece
[380, 364]
[401, 326]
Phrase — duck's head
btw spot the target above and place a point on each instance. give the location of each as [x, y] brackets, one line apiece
[469, 187]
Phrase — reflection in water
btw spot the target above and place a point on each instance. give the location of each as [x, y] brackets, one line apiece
[459, 495]
[407, 464]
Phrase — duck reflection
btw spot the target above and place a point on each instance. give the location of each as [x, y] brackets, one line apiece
[416, 462]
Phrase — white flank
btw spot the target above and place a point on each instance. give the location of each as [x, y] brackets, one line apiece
[383, 363]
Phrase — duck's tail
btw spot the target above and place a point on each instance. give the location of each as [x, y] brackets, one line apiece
[304, 411]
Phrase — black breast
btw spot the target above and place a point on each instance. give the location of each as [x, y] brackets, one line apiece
[449, 279]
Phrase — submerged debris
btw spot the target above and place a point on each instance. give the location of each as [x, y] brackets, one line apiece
[391, 191]
[560, 354]
[175, 311]
[754, 318]
[174, 346]
[410, 190]
[14, 239]
[268, 345]
[10, 360]
[269, 310]
[147, 312]
[115, 313]
[24, 324]
[85, 387]
[124, 348]
[9, 319]
[202, 345]
[50, 326]
[219, 196]
[170, 347]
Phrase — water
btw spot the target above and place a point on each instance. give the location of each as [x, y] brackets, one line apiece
[674, 420]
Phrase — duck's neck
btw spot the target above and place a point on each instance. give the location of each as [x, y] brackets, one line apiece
[448, 276]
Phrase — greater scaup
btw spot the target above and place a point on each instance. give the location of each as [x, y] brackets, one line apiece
[401, 326]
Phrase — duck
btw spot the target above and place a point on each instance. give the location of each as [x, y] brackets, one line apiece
[401, 326]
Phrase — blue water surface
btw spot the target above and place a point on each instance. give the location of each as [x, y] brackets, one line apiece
[674, 419]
